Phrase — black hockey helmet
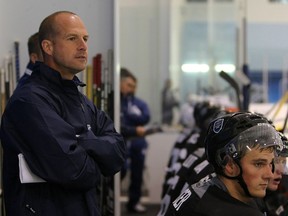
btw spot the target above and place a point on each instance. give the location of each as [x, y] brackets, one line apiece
[204, 112]
[281, 161]
[283, 151]
[234, 134]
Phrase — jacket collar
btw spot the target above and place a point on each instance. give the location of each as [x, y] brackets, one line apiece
[42, 70]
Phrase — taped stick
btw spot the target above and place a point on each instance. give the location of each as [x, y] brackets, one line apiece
[235, 86]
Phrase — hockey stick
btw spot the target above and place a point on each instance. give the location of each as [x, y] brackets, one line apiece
[17, 60]
[97, 67]
[278, 104]
[7, 78]
[2, 82]
[235, 86]
[243, 77]
[103, 86]
[110, 87]
[285, 124]
[286, 117]
[100, 94]
[89, 82]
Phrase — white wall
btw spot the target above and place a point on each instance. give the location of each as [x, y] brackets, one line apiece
[149, 46]
[19, 19]
[144, 47]
[266, 12]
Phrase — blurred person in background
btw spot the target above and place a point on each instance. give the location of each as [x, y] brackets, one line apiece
[135, 114]
[169, 102]
[35, 54]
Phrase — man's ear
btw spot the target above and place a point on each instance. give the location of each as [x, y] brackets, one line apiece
[231, 168]
[47, 46]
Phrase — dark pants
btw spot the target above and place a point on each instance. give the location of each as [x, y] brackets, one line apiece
[137, 153]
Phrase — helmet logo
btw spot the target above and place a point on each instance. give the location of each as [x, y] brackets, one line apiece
[218, 124]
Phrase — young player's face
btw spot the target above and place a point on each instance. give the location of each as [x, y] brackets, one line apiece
[279, 163]
[257, 170]
[69, 47]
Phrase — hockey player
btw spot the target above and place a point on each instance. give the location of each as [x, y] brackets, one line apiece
[275, 202]
[188, 163]
[241, 147]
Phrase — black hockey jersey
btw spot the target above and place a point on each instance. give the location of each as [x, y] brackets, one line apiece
[210, 198]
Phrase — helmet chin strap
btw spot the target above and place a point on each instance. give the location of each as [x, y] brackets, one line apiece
[240, 179]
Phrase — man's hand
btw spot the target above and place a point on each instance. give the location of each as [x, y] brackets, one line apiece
[140, 131]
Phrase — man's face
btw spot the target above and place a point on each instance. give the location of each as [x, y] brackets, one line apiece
[280, 163]
[69, 46]
[128, 86]
[257, 170]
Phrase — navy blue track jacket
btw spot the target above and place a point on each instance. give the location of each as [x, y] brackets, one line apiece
[65, 140]
[129, 119]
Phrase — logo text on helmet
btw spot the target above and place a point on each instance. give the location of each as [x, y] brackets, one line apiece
[218, 124]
